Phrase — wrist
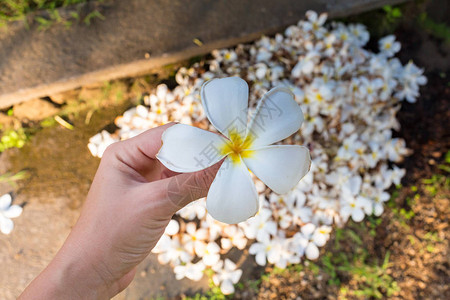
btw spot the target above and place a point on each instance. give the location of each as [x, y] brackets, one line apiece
[70, 275]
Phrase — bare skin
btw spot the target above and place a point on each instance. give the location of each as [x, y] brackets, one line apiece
[126, 212]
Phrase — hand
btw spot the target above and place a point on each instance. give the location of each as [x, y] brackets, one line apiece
[131, 201]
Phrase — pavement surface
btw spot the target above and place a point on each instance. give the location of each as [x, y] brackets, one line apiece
[137, 36]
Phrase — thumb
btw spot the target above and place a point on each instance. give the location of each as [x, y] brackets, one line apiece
[179, 190]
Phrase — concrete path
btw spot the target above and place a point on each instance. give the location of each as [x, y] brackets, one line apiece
[138, 35]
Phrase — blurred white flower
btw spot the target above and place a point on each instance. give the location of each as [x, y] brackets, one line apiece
[194, 239]
[99, 142]
[226, 276]
[389, 46]
[260, 226]
[172, 228]
[211, 254]
[171, 251]
[233, 236]
[8, 212]
[192, 271]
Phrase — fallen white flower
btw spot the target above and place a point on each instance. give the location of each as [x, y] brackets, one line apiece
[7, 212]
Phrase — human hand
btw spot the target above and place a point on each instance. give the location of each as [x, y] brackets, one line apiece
[131, 201]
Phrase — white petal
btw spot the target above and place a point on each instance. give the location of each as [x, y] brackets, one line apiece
[226, 244]
[277, 117]
[357, 215]
[261, 258]
[225, 102]
[211, 259]
[378, 209]
[280, 167]
[227, 287]
[172, 228]
[6, 225]
[312, 252]
[13, 211]
[5, 201]
[229, 265]
[319, 239]
[232, 197]
[188, 149]
[256, 248]
[235, 276]
[308, 229]
[180, 272]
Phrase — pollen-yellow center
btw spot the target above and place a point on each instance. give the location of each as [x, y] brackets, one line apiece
[237, 146]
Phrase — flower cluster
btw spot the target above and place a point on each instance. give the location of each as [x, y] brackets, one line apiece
[349, 96]
[8, 212]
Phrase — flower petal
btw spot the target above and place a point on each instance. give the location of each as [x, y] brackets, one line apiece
[312, 252]
[277, 117]
[225, 102]
[13, 211]
[188, 149]
[280, 167]
[357, 215]
[227, 287]
[5, 201]
[232, 197]
[6, 225]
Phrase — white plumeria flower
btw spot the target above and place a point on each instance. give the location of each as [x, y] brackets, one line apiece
[233, 236]
[194, 239]
[310, 238]
[192, 271]
[99, 142]
[193, 210]
[360, 34]
[354, 205]
[285, 218]
[226, 276]
[263, 250]
[389, 46]
[315, 23]
[171, 251]
[232, 197]
[211, 254]
[321, 235]
[378, 202]
[302, 244]
[8, 212]
[260, 226]
[281, 201]
[172, 228]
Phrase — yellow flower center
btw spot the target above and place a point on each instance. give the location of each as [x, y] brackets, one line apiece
[237, 146]
[388, 46]
[315, 26]
[319, 97]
